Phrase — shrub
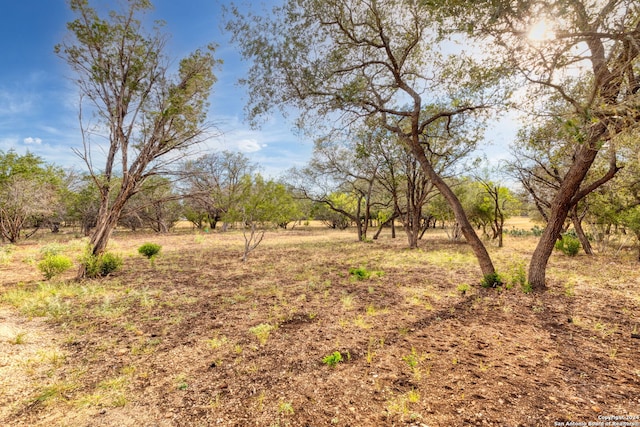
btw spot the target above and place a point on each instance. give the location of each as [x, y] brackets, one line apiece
[54, 265]
[568, 245]
[537, 231]
[491, 280]
[109, 263]
[360, 273]
[101, 265]
[517, 275]
[149, 249]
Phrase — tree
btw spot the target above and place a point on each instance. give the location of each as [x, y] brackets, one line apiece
[155, 206]
[587, 62]
[29, 194]
[150, 117]
[341, 175]
[401, 176]
[263, 205]
[380, 60]
[214, 185]
[490, 205]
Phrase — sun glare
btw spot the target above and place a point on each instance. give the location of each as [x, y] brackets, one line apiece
[541, 31]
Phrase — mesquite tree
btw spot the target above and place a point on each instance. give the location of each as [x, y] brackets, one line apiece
[147, 115]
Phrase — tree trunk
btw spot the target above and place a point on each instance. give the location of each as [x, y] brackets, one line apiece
[107, 220]
[577, 225]
[560, 206]
[478, 248]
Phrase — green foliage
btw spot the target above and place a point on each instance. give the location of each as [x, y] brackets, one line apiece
[519, 232]
[360, 273]
[262, 332]
[149, 249]
[101, 265]
[51, 249]
[517, 276]
[332, 359]
[463, 288]
[568, 245]
[491, 280]
[54, 265]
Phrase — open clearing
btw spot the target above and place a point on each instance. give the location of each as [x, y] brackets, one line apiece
[199, 338]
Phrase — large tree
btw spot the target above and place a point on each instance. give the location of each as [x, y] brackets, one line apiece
[583, 54]
[148, 116]
[341, 61]
[30, 194]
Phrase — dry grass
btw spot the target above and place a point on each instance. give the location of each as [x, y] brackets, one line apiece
[199, 338]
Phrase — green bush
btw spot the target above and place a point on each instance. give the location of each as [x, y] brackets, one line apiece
[491, 280]
[568, 245]
[149, 249]
[54, 265]
[101, 265]
[360, 273]
[537, 231]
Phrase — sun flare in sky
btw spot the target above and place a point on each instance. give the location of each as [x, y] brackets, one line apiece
[541, 30]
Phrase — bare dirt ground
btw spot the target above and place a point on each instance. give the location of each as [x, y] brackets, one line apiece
[200, 339]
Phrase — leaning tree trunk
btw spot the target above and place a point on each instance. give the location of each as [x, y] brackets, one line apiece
[560, 207]
[478, 248]
[577, 225]
[108, 217]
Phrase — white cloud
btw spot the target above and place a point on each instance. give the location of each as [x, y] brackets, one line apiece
[249, 145]
[30, 140]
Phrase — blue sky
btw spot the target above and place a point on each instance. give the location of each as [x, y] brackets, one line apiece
[38, 102]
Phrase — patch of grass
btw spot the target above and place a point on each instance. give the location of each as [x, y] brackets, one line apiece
[49, 299]
[181, 382]
[217, 342]
[6, 254]
[347, 301]
[55, 392]
[19, 338]
[285, 408]
[415, 360]
[463, 288]
[262, 332]
[401, 405]
[361, 322]
[569, 289]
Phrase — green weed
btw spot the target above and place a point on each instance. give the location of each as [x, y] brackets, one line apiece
[262, 332]
[332, 359]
